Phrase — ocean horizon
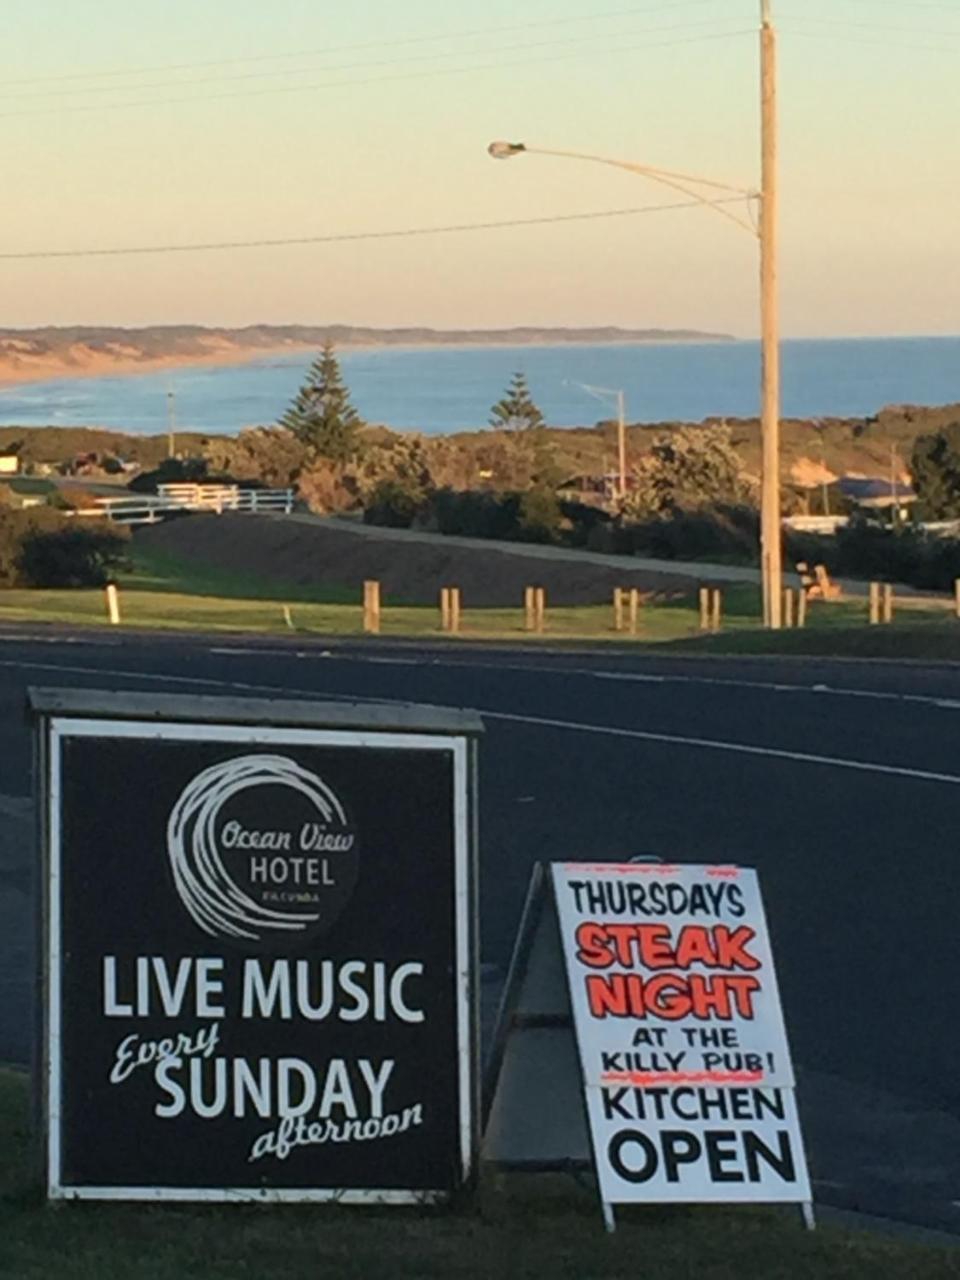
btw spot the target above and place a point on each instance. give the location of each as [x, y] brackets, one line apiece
[441, 389]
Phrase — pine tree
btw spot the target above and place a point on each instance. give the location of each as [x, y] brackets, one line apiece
[516, 411]
[321, 416]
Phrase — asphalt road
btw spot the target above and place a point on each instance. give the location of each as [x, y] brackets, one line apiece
[838, 781]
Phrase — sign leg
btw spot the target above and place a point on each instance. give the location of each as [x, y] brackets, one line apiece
[809, 1221]
[609, 1221]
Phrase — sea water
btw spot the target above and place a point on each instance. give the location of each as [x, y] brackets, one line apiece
[447, 389]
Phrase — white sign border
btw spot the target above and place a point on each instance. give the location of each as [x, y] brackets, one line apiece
[62, 727]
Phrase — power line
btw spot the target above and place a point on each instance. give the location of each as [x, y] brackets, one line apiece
[864, 42]
[355, 66]
[435, 37]
[871, 26]
[407, 232]
[357, 83]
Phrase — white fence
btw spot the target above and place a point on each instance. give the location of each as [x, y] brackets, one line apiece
[147, 508]
[815, 524]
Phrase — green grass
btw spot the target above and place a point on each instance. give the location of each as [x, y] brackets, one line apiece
[519, 1228]
[161, 592]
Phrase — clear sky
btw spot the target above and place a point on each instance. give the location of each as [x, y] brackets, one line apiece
[339, 118]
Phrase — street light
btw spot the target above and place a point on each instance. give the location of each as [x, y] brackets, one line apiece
[708, 193]
[608, 396]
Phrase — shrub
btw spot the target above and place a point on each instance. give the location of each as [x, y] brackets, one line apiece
[475, 514]
[727, 533]
[41, 547]
[540, 517]
[392, 505]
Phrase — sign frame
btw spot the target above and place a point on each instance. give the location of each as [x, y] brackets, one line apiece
[62, 714]
[509, 1085]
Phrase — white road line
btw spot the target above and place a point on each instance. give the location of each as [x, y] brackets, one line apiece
[638, 677]
[714, 744]
[545, 722]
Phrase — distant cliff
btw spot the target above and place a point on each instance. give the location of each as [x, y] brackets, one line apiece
[30, 354]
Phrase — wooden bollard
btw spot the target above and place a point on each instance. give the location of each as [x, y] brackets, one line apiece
[113, 604]
[528, 608]
[874, 603]
[704, 608]
[450, 609]
[788, 607]
[887, 602]
[716, 609]
[618, 608]
[534, 608]
[801, 608]
[634, 610]
[371, 607]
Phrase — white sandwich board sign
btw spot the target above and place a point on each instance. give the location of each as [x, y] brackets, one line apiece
[671, 996]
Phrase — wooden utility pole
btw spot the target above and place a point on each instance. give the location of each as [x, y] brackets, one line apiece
[771, 534]
[622, 445]
[171, 424]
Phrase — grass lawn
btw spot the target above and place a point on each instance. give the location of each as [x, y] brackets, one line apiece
[162, 592]
[517, 1227]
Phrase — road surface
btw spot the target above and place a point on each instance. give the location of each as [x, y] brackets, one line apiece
[839, 781]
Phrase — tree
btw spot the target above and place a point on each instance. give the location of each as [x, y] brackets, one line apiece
[516, 411]
[689, 468]
[321, 416]
[935, 468]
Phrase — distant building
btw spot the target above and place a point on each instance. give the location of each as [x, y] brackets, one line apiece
[9, 464]
[875, 493]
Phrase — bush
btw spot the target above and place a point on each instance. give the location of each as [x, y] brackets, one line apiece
[540, 517]
[392, 505]
[865, 549]
[474, 514]
[41, 547]
[726, 533]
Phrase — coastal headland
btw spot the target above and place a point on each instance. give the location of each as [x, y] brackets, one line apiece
[35, 355]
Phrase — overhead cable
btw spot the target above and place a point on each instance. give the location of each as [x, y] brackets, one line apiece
[345, 237]
[434, 37]
[369, 80]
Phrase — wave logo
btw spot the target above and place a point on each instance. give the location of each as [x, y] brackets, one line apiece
[261, 848]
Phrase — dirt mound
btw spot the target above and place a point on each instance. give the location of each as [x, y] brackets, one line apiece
[317, 553]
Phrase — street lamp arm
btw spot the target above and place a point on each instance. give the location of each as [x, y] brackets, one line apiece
[668, 178]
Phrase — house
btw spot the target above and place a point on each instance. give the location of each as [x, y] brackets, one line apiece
[18, 492]
[875, 493]
[10, 460]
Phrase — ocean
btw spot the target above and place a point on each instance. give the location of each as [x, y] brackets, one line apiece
[437, 390]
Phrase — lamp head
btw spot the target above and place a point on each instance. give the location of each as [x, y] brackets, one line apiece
[504, 150]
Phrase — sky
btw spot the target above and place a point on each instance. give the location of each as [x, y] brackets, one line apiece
[202, 120]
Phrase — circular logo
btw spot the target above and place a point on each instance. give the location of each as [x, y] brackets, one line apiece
[261, 848]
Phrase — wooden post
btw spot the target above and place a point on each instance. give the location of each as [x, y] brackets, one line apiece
[618, 608]
[528, 609]
[704, 608]
[716, 609]
[540, 605]
[634, 610]
[801, 608]
[874, 603]
[113, 604]
[444, 608]
[887, 602]
[455, 610]
[788, 607]
[371, 607]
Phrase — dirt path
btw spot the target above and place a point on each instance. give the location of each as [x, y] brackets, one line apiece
[412, 567]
